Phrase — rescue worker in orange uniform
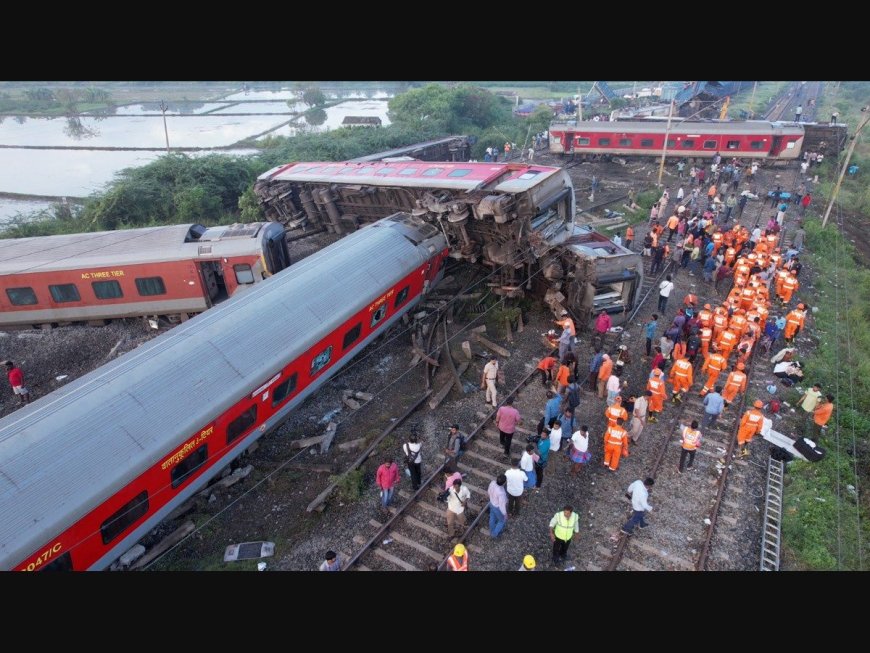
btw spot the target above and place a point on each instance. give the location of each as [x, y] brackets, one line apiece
[690, 299]
[604, 374]
[717, 242]
[737, 323]
[615, 442]
[744, 349]
[750, 425]
[720, 322]
[747, 296]
[730, 254]
[778, 281]
[679, 350]
[629, 236]
[690, 442]
[789, 285]
[794, 322]
[705, 316]
[656, 385]
[735, 384]
[714, 364]
[706, 337]
[726, 343]
[458, 560]
[615, 412]
[681, 378]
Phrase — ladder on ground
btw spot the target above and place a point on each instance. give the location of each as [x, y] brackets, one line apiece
[772, 533]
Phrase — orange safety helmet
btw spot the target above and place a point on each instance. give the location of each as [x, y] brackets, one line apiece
[758, 403]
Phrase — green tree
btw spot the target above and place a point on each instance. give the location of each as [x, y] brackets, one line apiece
[313, 96]
[315, 116]
[423, 108]
[249, 207]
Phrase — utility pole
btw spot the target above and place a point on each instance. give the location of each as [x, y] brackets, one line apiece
[579, 106]
[163, 108]
[861, 126]
[665, 147]
[752, 101]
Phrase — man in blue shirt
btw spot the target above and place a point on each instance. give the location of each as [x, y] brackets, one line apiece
[651, 327]
[713, 405]
[594, 366]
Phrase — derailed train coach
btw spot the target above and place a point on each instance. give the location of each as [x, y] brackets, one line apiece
[516, 219]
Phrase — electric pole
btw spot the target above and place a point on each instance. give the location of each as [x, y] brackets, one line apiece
[665, 147]
[163, 108]
[833, 199]
[752, 101]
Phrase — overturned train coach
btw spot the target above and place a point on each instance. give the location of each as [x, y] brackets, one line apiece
[516, 219]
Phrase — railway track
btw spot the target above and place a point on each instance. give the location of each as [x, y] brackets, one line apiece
[714, 496]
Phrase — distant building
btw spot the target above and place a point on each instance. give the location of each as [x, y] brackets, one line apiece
[361, 121]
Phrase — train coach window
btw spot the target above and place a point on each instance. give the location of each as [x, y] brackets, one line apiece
[238, 426]
[378, 315]
[21, 296]
[386, 171]
[408, 171]
[646, 142]
[150, 286]
[243, 273]
[284, 389]
[351, 336]
[431, 172]
[321, 360]
[107, 289]
[66, 292]
[624, 142]
[125, 517]
[182, 471]
[402, 296]
[604, 141]
[672, 142]
[583, 141]
[756, 145]
[459, 172]
[709, 145]
[733, 145]
[688, 144]
[61, 563]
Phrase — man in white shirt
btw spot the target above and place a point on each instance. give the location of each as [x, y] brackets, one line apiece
[639, 492]
[457, 498]
[556, 435]
[665, 288]
[515, 480]
[490, 374]
[617, 240]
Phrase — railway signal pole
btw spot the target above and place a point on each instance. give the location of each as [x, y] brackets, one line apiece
[854, 142]
[665, 146]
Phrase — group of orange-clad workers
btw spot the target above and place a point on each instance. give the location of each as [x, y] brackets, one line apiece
[734, 326]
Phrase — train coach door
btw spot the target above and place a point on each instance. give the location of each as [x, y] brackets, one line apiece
[275, 249]
[213, 281]
[777, 146]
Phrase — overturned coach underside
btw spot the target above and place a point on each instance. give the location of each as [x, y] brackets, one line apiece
[518, 222]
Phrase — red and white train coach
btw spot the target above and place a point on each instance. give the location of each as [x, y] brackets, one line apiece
[748, 139]
[170, 270]
[87, 470]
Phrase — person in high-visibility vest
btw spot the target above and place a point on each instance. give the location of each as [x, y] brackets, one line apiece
[629, 237]
[713, 366]
[720, 322]
[794, 322]
[615, 442]
[681, 378]
[563, 525]
[789, 286]
[727, 341]
[458, 560]
[615, 412]
[705, 316]
[706, 337]
[750, 425]
[656, 385]
[690, 443]
[736, 383]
